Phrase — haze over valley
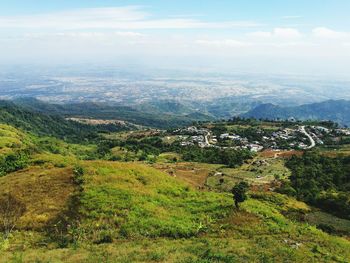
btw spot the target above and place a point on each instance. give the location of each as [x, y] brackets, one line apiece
[202, 92]
[174, 131]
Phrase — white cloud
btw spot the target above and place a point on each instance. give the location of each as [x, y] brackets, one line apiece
[286, 32]
[122, 18]
[223, 43]
[323, 32]
[78, 34]
[279, 32]
[128, 34]
[291, 17]
[107, 33]
[260, 34]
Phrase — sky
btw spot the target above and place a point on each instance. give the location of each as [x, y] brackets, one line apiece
[270, 36]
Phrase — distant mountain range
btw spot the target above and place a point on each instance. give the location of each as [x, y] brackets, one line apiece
[162, 115]
[167, 114]
[334, 110]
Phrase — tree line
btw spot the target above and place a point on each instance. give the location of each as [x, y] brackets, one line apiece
[321, 181]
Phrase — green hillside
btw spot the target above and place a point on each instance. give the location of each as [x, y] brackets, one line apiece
[131, 212]
[65, 202]
[158, 115]
[334, 110]
[48, 124]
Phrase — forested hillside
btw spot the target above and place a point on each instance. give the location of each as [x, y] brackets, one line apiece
[48, 124]
[161, 118]
[334, 110]
[321, 181]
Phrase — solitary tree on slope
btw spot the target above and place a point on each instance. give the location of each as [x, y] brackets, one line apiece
[239, 192]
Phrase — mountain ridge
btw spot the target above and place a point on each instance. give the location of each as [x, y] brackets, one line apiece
[333, 110]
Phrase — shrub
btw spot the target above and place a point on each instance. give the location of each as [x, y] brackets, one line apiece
[13, 162]
[239, 192]
[327, 228]
[11, 209]
[78, 175]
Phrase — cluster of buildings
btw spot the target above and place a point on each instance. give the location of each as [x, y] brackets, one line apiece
[192, 130]
[287, 138]
[344, 132]
[285, 134]
[204, 138]
[192, 140]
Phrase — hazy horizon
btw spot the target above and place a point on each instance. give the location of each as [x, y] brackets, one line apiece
[298, 37]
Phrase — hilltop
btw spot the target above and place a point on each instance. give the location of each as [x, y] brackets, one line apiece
[334, 110]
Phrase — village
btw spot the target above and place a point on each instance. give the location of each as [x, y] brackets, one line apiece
[298, 137]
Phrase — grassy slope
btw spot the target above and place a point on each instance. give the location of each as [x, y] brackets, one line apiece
[150, 216]
[149, 203]
[12, 139]
[251, 171]
[44, 192]
[154, 217]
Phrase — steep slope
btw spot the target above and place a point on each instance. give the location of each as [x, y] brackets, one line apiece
[41, 123]
[12, 140]
[334, 110]
[15, 148]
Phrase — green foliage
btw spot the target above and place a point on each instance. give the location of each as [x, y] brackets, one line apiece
[133, 201]
[230, 157]
[147, 149]
[13, 162]
[136, 213]
[334, 110]
[219, 129]
[49, 125]
[328, 223]
[321, 181]
[239, 192]
[143, 117]
[78, 175]
[149, 145]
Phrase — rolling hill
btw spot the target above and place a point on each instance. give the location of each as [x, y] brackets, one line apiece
[334, 110]
[130, 211]
[71, 206]
[41, 123]
[154, 115]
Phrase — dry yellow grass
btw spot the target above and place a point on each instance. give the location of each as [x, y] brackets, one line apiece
[195, 174]
[43, 191]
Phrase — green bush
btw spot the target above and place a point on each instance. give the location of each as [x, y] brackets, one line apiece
[78, 175]
[13, 162]
[321, 181]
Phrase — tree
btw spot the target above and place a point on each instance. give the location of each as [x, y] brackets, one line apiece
[11, 209]
[78, 177]
[239, 192]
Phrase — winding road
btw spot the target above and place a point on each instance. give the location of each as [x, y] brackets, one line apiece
[206, 137]
[312, 141]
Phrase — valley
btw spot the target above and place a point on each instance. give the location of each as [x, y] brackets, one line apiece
[140, 194]
[174, 131]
